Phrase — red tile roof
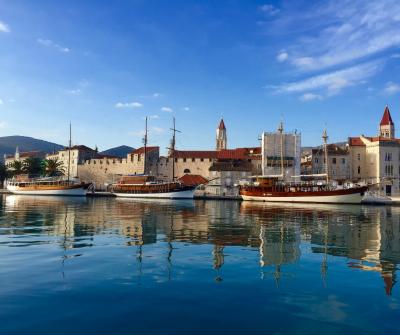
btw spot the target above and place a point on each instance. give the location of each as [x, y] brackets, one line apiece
[141, 150]
[240, 153]
[27, 154]
[356, 142]
[192, 179]
[225, 154]
[386, 118]
[221, 125]
[195, 154]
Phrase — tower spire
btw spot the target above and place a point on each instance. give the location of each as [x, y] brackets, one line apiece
[221, 139]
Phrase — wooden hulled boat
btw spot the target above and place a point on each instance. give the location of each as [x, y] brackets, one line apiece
[143, 186]
[271, 189]
[47, 186]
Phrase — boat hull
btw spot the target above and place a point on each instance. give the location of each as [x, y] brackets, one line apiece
[346, 196]
[76, 191]
[184, 194]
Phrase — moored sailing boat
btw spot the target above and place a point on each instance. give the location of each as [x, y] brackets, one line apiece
[275, 189]
[146, 186]
[49, 185]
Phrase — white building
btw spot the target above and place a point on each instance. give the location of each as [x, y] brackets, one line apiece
[376, 160]
[281, 154]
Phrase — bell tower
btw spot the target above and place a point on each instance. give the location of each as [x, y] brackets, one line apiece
[386, 127]
[221, 140]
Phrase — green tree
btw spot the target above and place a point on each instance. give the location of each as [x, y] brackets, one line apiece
[16, 168]
[32, 166]
[4, 172]
[53, 167]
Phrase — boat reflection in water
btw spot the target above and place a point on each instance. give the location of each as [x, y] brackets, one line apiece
[213, 235]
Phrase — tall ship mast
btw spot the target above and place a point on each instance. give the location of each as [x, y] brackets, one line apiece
[276, 189]
[148, 186]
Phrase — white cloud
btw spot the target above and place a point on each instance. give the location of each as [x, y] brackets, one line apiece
[166, 109]
[391, 88]
[128, 105]
[310, 97]
[156, 95]
[282, 56]
[74, 91]
[3, 124]
[186, 109]
[51, 44]
[269, 9]
[1, 102]
[332, 82]
[4, 28]
[337, 33]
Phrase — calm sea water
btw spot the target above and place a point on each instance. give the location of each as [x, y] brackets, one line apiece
[112, 266]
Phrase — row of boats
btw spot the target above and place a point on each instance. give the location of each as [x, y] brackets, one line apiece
[259, 188]
[268, 189]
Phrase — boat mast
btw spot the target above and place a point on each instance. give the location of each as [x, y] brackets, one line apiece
[325, 139]
[145, 147]
[172, 148]
[280, 129]
[69, 151]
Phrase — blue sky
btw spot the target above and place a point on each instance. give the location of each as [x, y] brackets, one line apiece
[105, 65]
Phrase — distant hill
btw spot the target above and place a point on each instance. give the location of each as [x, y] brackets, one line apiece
[25, 143]
[120, 151]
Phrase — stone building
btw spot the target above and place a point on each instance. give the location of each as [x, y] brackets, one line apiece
[21, 156]
[376, 160]
[224, 177]
[338, 162]
[104, 171]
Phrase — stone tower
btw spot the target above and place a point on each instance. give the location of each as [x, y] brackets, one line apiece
[386, 127]
[221, 136]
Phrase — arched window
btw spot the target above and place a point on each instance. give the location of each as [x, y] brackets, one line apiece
[186, 171]
[359, 170]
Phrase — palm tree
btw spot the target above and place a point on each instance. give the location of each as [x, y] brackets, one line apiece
[53, 167]
[16, 168]
[4, 173]
[32, 166]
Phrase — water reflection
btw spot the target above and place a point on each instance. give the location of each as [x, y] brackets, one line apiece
[368, 238]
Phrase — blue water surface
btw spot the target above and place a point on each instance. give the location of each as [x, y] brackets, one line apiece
[114, 266]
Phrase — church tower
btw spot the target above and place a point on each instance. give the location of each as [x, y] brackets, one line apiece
[386, 127]
[221, 136]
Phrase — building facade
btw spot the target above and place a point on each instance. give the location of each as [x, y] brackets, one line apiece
[376, 160]
[338, 162]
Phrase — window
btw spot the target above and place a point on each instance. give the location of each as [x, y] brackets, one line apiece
[193, 159]
[388, 157]
[343, 160]
[334, 160]
[359, 170]
[184, 160]
[139, 157]
[176, 160]
[359, 157]
[186, 171]
[316, 160]
[201, 159]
